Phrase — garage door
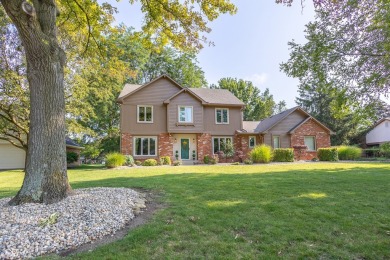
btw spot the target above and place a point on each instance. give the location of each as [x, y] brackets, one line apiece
[11, 157]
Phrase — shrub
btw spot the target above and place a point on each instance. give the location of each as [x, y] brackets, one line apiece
[129, 160]
[328, 154]
[115, 160]
[149, 162]
[138, 163]
[214, 160]
[372, 152]
[261, 154]
[385, 149]
[206, 159]
[248, 161]
[71, 157]
[176, 163]
[315, 159]
[349, 152]
[283, 155]
[165, 160]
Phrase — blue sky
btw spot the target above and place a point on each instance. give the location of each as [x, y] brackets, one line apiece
[249, 45]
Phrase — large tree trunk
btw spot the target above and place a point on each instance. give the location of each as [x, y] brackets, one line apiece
[45, 174]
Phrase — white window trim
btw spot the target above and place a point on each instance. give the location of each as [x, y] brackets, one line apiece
[144, 122]
[149, 155]
[273, 143]
[249, 141]
[315, 142]
[218, 137]
[228, 115]
[192, 115]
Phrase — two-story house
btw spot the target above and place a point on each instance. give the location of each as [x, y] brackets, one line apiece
[162, 118]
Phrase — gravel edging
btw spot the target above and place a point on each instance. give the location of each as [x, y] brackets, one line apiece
[86, 216]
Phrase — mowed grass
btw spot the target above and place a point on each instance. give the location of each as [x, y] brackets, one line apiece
[294, 211]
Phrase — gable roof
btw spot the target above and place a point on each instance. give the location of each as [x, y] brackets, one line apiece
[217, 96]
[380, 122]
[72, 144]
[130, 89]
[211, 96]
[263, 126]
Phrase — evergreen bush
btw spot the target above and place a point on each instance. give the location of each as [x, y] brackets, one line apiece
[328, 154]
[149, 162]
[165, 160]
[283, 155]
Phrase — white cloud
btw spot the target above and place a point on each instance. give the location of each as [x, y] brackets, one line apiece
[258, 79]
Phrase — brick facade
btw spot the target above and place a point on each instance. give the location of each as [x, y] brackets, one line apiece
[309, 128]
[165, 145]
[203, 145]
[126, 144]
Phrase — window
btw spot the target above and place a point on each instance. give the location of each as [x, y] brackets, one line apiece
[222, 116]
[219, 143]
[145, 114]
[276, 141]
[185, 114]
[145, 146]
[310, 142]
[252, 141]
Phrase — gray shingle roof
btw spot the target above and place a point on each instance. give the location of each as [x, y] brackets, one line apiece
[128, 88]
[250, 126]
[269, 122]
[217, 96]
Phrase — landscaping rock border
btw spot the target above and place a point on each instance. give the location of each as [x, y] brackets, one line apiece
[31, 230]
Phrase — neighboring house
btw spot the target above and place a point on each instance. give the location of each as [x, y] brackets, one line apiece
[12, 157]
[380, 133]
[162, 118]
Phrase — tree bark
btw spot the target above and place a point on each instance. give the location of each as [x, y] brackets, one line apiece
[46, 179]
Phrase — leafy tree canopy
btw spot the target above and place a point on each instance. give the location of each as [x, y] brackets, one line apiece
[258, 105]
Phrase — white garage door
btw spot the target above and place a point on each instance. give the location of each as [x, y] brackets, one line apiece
[11, 157]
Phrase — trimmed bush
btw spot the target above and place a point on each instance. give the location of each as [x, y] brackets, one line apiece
[385, 149]
[138, 163]
[328, 154]
[129, 160]
[261, 154]
[372, 152]
[206, 159]
[149, 162]
[283, 155]
[248, 161]
[115, 160]
[71, 157]
[177, 163]
[349, 152]
[165, 160]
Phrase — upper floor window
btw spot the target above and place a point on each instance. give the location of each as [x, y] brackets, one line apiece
[252, 141]
[310, 142]
[276, 141]
[144, 114]
[185, 114]
[222, 116]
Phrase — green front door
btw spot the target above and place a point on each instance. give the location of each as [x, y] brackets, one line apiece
[185, 149]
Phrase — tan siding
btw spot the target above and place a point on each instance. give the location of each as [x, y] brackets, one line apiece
[283, 127]
[185, 99]
[154, 95]
[235, 121]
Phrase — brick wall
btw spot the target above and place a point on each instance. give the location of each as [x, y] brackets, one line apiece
[310, 128]
[241, 143]
[165, 145]
[204, 145]
[126, 144]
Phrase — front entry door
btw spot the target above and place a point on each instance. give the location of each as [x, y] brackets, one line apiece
[185, 149]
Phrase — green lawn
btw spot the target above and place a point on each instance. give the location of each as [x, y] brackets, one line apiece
[318, 211]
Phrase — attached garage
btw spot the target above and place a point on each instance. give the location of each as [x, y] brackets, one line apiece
[11, 157]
